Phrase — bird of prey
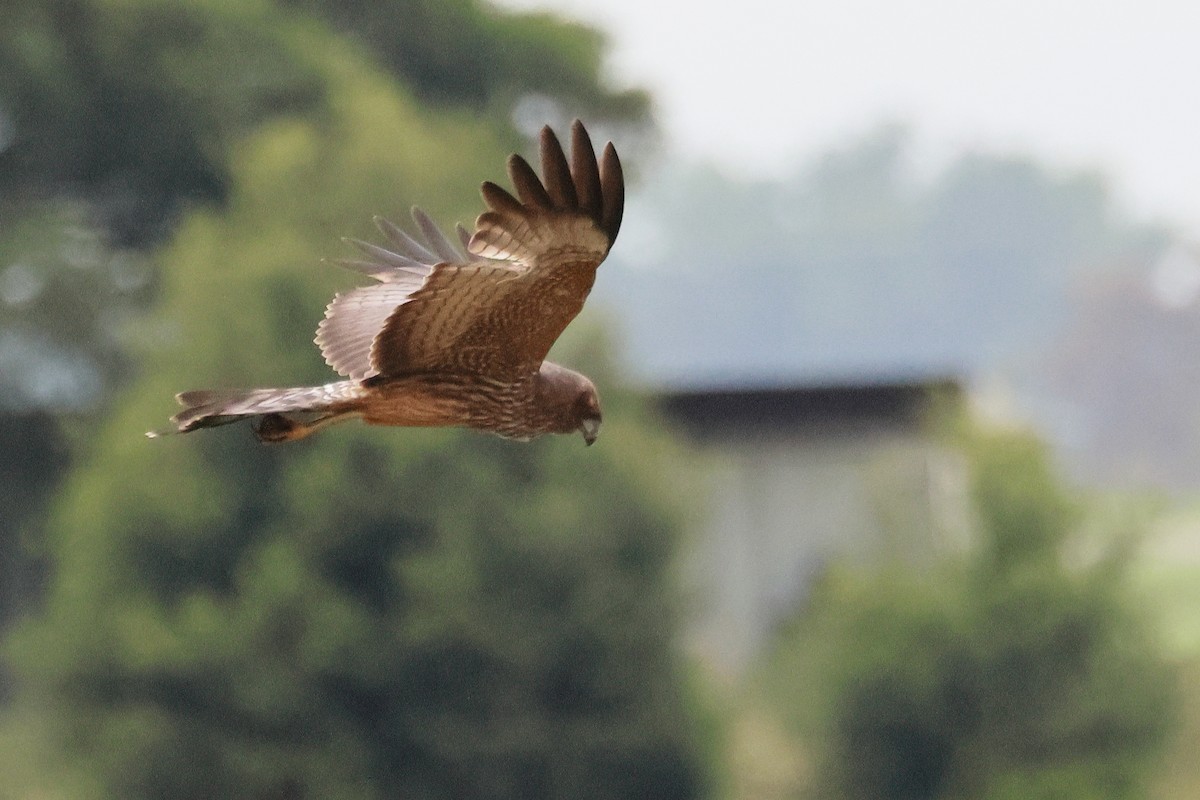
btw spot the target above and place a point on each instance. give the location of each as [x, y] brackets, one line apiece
[452, 338]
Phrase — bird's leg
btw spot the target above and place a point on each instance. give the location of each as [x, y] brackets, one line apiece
[282, 427]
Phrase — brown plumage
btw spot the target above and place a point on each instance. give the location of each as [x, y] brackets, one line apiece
[447, 338]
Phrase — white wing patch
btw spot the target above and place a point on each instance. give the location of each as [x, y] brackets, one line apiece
[353, 320]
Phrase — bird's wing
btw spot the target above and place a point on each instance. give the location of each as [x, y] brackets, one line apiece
[535, 261]
[354, 318]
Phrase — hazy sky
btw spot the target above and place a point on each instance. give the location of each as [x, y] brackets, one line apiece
[758, 85]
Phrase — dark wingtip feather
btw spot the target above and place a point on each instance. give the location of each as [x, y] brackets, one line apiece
[499, 199]
[612, 181]
[526, 182]
[584, 184]
[556, 172]
[584, 170]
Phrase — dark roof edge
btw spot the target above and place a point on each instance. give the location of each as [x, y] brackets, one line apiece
[816, 388]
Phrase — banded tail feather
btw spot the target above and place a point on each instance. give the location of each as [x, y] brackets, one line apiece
[282, 414]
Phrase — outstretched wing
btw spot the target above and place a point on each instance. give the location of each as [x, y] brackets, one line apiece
[498, 315]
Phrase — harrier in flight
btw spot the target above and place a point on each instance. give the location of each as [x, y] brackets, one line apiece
[458, 337]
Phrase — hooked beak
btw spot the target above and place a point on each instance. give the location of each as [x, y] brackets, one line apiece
[590, 428]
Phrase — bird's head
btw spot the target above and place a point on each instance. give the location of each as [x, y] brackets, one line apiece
[570, 400]
[588, 413]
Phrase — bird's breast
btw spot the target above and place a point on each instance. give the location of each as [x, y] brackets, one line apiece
[502, 407]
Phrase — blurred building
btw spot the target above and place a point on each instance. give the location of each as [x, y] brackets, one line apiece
[799, 477]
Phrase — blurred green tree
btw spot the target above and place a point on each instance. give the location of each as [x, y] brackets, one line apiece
[1018, 674]
[114, 116]
[370, 613]
[132, 107]
[468, 53]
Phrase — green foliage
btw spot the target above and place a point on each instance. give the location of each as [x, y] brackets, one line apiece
[64, 294]
[1025, 514]
[465, 52]
[27, 481]
[134, 104]
[1016, 674]
[377, 620]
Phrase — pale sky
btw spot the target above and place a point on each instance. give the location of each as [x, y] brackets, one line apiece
[759, 85]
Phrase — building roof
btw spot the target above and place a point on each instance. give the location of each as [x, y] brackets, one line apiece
[898, 403]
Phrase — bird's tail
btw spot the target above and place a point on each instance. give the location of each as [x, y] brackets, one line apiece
[281, 414]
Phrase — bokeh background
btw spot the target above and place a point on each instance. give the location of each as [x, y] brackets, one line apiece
[897, 492]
